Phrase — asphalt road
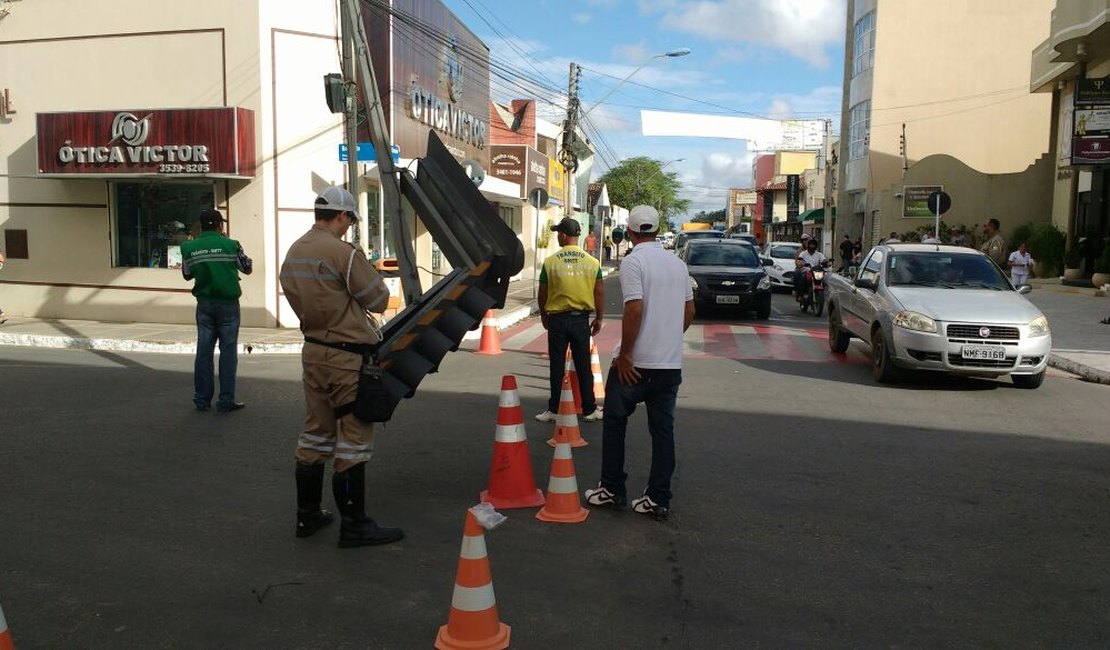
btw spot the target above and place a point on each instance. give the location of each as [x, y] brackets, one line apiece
[813, 508]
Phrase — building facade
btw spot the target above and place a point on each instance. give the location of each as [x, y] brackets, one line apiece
[168, 108]
[945, 78]
[1072, 66]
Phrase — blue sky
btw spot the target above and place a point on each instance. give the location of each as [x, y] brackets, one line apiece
[768, 58]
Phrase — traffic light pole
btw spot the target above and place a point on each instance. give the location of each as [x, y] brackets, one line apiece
[350, 121]
[391, 188]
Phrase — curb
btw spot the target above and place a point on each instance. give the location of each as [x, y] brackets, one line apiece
[1086, 373]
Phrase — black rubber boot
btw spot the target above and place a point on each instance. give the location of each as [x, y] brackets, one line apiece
[310, 489]
[356, 529]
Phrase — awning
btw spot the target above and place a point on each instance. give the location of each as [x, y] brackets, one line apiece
[817, 215]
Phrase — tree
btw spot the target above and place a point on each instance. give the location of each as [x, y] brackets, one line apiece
[710, 217]
[642, 181]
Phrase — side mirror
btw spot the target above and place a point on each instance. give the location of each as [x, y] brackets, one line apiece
[1023, 288]
[864, 283]
[767, 261]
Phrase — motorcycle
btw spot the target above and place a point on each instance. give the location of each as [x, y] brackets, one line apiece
[813, 295]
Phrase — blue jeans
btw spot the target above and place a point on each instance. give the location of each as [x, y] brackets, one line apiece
[658, 390]
[216, 321]
[573, 329]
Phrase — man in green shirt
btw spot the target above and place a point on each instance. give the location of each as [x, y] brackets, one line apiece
[214, 261]
[570, 291]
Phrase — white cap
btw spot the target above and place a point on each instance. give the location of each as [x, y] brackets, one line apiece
[338, 199]
[643, 219]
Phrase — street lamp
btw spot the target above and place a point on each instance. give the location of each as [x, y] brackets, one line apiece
[682, 51]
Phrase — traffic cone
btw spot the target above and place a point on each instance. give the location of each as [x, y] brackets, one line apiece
[595, 368]
[566, 425]
[491, 336]
[575, 390]
[511, 483]
[5, 635]
[564, 505]
[473, 623]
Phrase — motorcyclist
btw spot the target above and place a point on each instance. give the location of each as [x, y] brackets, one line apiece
[807, 257]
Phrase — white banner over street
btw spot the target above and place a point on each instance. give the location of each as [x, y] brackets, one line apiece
[762, 135]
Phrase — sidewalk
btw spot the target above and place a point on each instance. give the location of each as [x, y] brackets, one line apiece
[1081, 344]
[182, 339]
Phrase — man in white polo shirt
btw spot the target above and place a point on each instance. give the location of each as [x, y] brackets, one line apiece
[647, 366]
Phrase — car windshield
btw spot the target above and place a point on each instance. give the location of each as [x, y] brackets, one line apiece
[943, 270]
[722, 255]
[784, 252]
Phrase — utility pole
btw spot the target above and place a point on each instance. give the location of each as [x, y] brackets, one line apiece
[567, 156]
[379, 135]
[350, 121]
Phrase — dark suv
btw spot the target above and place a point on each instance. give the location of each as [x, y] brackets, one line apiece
[727, 273]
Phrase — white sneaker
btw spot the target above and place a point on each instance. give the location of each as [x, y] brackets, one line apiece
[547, 416]
[596, 416]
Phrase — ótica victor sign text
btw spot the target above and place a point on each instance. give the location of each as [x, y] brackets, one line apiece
[211, 142]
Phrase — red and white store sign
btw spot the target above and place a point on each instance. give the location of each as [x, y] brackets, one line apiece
[205, 142]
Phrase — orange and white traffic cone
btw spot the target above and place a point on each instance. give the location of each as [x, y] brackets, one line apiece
[564, 505]
[595, 368]
[566, 424]
[511, 483]
[473, 623]
[5, 635]
[491, 336]
[575, 390]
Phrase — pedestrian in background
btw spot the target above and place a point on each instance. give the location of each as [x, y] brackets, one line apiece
[570, 291]
[846, 253]
[995, 246]
[647, 367]
[333, 290]
[1020, 263]
[213, 261]
[608, 246]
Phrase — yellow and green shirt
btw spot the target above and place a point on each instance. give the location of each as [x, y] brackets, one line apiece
[570, 275]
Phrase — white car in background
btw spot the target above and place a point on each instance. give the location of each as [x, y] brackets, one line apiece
[781, 270]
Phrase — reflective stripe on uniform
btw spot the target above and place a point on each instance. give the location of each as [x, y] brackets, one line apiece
[309, 274]
[356, 457]
[473, 599]
[351, 447]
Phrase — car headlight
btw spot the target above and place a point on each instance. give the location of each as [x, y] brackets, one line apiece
[764, 283]
[1038, 326]
[693, 283]
[911, 320]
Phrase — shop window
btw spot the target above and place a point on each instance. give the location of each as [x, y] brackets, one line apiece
[15, 244]
[152, 219]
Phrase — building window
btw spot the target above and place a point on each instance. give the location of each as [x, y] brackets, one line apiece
[863, 48]
[152, 219]
[512, 217]
[859, 130]
[15, 245]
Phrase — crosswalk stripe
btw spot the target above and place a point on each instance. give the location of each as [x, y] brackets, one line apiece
[708, 340]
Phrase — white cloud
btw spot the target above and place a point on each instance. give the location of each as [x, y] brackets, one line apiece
[635, 53]
[802, 28]
[581, 18]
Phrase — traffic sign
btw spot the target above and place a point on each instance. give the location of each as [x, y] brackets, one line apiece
[366, 152]
[939, 202]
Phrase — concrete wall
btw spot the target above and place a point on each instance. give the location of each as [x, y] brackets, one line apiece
[128, 54]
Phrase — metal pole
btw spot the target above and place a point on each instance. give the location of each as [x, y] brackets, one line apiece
[350, 120]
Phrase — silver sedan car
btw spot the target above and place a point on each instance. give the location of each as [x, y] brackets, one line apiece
[941, 308]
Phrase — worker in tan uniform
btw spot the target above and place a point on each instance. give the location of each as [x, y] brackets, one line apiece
[333, 289]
